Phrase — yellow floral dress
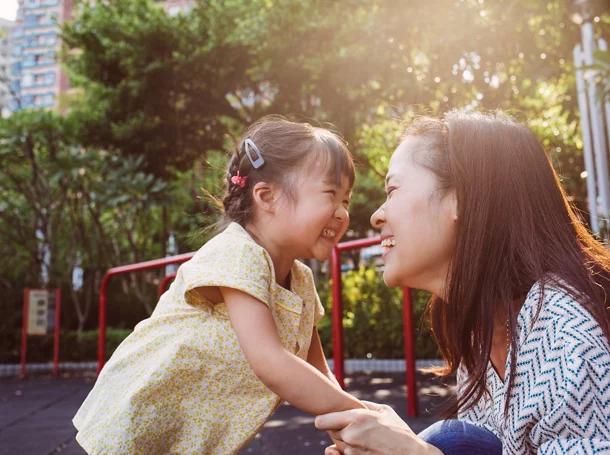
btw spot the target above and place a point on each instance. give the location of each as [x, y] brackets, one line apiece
[180, 384]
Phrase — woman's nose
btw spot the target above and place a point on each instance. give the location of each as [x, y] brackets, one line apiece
[378, 218]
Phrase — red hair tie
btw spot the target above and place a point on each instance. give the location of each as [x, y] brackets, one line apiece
[239, 180]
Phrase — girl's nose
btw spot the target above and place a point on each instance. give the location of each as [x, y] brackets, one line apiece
[341, 213]
[378, 218]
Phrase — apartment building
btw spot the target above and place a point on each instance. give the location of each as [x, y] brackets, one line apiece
[6, 28]
[36, 76]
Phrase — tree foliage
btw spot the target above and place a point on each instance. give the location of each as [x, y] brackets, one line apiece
[157, 100]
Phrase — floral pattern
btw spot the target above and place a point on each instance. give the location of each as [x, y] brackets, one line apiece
[180, 384]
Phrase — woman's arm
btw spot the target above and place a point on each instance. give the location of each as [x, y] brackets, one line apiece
[293, 379]
[315, 357]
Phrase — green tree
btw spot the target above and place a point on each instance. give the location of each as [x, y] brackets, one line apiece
[151, 84]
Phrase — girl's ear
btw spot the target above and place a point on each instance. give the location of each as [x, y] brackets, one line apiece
[265, 196]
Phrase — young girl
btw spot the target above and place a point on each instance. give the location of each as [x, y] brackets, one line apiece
[235, 333]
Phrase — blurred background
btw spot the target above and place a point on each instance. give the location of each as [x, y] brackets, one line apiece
[116, 114]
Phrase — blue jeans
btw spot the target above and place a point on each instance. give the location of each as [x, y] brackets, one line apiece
[454, 437]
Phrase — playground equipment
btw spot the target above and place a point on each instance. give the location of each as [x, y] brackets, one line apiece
[101, 343]
[337, 322]
[337, 312]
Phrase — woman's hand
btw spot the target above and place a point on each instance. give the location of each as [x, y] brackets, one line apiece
[376, 430]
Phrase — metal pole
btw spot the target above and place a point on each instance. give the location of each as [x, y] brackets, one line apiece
[407, 310]
[603, 46]
[599, 140]
[585, 130]
[101, 341]
[163, 286]
[101, 344]
[57, 332]
[24, 331]
[337, 316]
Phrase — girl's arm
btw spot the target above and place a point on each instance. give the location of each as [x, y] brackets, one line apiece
[293, 379]
[315, 357]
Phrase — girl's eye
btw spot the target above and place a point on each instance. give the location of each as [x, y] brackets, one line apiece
[346, 203]
[333, 192]
[389, 191]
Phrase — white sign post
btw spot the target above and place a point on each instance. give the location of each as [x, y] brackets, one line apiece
[41, 312]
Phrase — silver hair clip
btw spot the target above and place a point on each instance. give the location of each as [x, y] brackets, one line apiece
[257, 161]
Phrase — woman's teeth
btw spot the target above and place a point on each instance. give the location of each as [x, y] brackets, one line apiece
[388, 243]
[328, 233]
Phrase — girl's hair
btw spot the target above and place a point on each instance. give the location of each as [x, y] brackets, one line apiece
[515, 227]
[287, 148]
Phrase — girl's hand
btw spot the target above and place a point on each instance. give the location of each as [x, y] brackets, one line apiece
[376, 430]
[337, 448]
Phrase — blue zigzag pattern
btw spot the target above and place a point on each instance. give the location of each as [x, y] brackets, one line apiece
[560, 401]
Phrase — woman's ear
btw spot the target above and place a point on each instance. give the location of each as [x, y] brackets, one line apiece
[265, 196]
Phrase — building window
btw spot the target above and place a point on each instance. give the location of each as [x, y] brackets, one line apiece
[27, 80]
[32, 3]
[49, 78]
[27, 101]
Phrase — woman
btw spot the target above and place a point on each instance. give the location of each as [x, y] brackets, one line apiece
[475, 214]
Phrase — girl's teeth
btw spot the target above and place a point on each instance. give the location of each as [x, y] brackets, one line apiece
[328, 233]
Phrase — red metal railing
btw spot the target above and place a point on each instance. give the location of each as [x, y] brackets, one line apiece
[337, 312]
[164, 282]
[337, 322]
[101, 346]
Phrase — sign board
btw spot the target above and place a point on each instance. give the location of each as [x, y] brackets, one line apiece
[41, 315]
[41, 312]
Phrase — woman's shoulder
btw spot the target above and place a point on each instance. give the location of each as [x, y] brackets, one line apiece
[555, 317]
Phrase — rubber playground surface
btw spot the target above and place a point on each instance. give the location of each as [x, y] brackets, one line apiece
[36, 414]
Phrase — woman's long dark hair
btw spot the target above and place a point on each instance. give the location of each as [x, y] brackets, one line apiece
[515, 227]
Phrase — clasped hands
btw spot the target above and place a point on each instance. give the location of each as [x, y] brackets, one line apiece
[377, 430]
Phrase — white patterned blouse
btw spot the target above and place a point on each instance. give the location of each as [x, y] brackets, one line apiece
[560, 401]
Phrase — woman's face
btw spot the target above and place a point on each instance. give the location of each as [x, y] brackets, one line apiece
[417, 224]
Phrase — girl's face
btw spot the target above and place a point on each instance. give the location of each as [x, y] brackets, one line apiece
[318, 216]
[417, 224]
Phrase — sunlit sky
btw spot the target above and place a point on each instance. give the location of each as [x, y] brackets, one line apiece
[8, 9]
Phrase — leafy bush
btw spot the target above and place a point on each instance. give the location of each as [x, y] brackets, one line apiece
[372, 321]
[73, 346]
[373, 318]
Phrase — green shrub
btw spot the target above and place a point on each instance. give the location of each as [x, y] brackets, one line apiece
[373, 318]
[372, 321]
[73, 346]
